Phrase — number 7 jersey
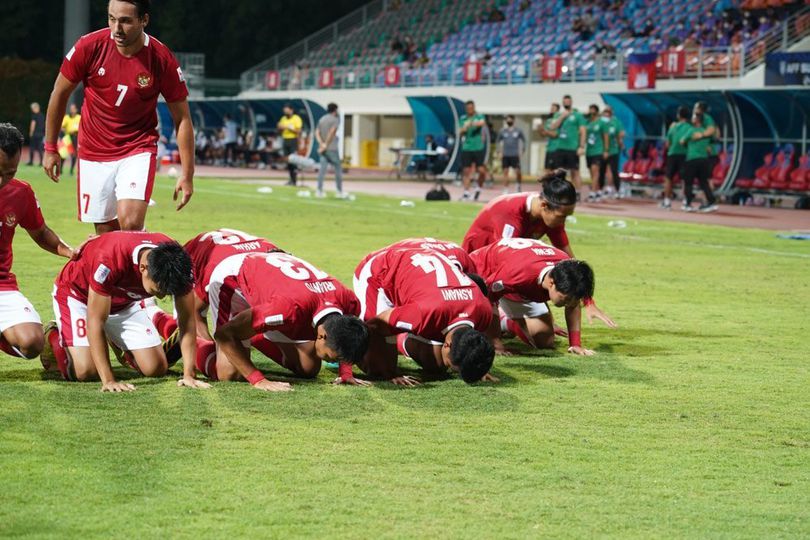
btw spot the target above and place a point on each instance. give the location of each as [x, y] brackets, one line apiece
[119, 115]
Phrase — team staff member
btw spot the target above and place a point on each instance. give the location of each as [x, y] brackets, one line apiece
[512, 142]
[676, 154]
[615, 132]
[124, 70]
[570, 126]
[551, 147]
[36, 133]
[698, 165]
[70, 126]
[596, 150]
[471, 128]
[290, 127]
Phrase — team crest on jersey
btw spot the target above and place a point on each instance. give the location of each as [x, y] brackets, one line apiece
[144, 80]
[101, 72]
[10, 219]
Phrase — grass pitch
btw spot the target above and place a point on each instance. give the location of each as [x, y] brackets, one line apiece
[692, 421]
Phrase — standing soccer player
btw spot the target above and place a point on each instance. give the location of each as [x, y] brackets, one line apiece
[513, 142]
[290, 127]
[20, 326]
[124, 70]
[471, 128]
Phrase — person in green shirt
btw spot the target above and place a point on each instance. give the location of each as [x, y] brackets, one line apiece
[676, 153]
[570, 126]
[615, 132]
[596, 145]
[551, 148]
[471, 129]
[698, 142]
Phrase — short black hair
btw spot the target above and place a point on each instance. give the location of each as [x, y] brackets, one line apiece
[557, 190]
[288, 105]
[567, 96]
[593, 106]
[510, 116]
[683, 112]
[472, 353]
[332, 107]
[170, 268]
[347, 335]
[11, 140]
[478, 280]
[469, 102]
[573, 278]
[142, 6]
[702, 105]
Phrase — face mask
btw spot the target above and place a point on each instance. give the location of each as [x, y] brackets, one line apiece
[510, 124]
[567, 107]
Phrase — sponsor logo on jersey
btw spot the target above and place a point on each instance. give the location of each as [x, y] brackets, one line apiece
[274, 320]
[69, 55]
[144, 80]
[102, 273]
[102, 72]
[180, 75]
[11, 219]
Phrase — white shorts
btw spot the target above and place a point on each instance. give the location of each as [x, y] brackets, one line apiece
[130, 330]
[103, 183]
[16, 309]
[522, 310]
[373, 300]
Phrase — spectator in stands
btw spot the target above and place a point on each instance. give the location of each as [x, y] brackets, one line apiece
[36, 133]
[604, 47]
[495, 15]
[676, 154]
[596, 150]
[609, 173]
[570, 127]
[647, 29]
[589, 23]
[551, 147]
[396, 45]
[471, 127]
[290, 126]
[697, 166]
[512, 143]
[327, 136]
[231, 139]
[524, 5]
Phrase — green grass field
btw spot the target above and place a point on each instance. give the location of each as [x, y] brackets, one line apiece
[692, 421]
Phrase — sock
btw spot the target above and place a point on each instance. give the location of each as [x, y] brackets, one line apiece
[515, 328]
[9, 349]
[165, 323]
[401, 338]
[206, 360]
[61, 355]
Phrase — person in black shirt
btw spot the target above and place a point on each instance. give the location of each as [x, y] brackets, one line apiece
[36, 133]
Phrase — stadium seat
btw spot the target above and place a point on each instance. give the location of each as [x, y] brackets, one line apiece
[800, 177]
[780, 174]
[721, 169]
[762, 175]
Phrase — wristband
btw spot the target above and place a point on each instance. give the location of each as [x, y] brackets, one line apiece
[51, 147]
[574, 338]
[255, 377]
[587, 302]
[345, 371]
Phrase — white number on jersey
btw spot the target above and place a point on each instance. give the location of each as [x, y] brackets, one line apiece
[295, 268]
[228, 237]
[122, 91]
[536, 246]
[437, 263]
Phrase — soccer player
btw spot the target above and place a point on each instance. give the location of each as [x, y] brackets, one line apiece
[290, 127]
[596, 151]
[471, 128]
[676, 154]
[123, 71]
[455, 253]
[326, 133]
[553, 139]
[417, 302]
[20, 326]
[308, 315]
[512, 142]
[532, 215]
[522, 275]
[98, 297]
[70, 127]
[615, 132]
[570, 127]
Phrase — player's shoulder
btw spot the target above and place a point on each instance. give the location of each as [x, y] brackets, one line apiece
[19, 186]
[102, 35]
[158, 46]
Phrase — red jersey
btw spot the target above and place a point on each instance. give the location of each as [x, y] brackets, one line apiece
[451, 250]
[509, 216]
[289, 296]
[109, 266]
[209, 249]
[119, 115]
[431, 296]
[18, 206]
[516, 267]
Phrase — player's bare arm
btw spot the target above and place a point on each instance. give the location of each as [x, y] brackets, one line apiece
[229, 337]
[98, 309]
[381, 359]
[181, 116]
[57, 104]
[50, 242]
[188, 340]
[573, 320]
[200, 321]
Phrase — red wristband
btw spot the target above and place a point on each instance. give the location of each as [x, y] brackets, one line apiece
[255, 378]
[574, 338]
[587, 302]
[51, 147]
[345, 371]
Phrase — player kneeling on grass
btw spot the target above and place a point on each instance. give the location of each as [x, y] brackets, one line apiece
[19, 322]
[98, 297]
[419, 303]
[523, 275]
[305, 316]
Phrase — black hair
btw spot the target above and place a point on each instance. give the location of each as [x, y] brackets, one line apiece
[332, 107]
[566, 96]
[472, 353]
[347, 335]
[683, 112]
[594, 106]
[11, 140]
[170, 268]
[557, 190]
[478, 280]
[702, 106]
[573, 278]
[510, 116]
[142, 6]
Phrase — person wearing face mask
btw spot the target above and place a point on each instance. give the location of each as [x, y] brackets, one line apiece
[570, 127]
[512, 142]
[596, 151]
[609, 170]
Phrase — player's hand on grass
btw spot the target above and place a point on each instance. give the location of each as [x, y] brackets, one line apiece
[593, 312]
[406, 380]
[52, 163]
[489, 377]
[352, 381]
[581, 351]
[115, 386]
[273, 386]
[560, 331]
[187, 187]
[191, 382]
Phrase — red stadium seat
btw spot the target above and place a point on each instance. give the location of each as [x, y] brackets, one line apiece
[744, 183]
[800, 177]
[721, 169]
[763, 173]
[627, 169]
[780, 174]
[642, 166]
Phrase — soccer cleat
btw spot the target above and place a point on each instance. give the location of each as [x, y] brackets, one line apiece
[707, 208]
[47, 357]
[687, 207]
[665, 205]
[171, 348]
[465, 196]
[476, 194]
[124, 358]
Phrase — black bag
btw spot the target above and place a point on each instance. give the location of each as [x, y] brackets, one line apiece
[438, 193]
[803, 203]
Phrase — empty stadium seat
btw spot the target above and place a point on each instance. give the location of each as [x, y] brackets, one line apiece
[800, 177]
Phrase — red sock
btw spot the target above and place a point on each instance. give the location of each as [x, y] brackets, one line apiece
[267, 348]
[206, 360]
[401, 344]
[515, 328]
[165, 324]
[6, 347]
[60, 354]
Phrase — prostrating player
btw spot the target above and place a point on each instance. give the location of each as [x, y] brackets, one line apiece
[307, 314]
[418, 302]
[522, 275]
[451, 250]
[123, 71]
[20, 325]
[532, 215]
[99, 297]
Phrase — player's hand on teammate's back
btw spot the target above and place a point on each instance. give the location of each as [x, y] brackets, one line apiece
[52, 163]
[77, 251]
[115, 386]
[406, 380]
[190, 382]
[185, 185]
[593, 312]
[351, 381]
[273, 386]
[581, 351]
